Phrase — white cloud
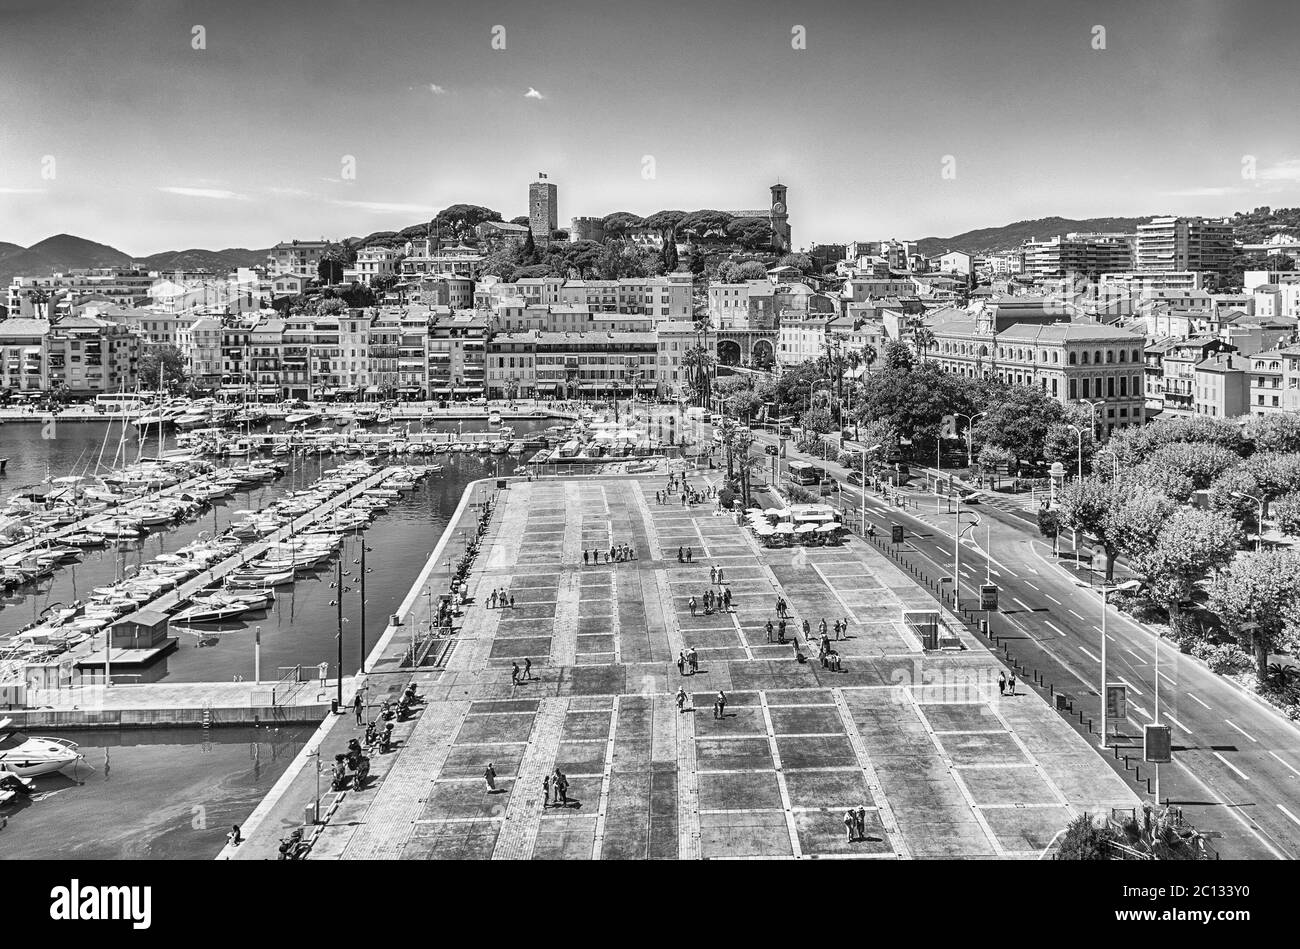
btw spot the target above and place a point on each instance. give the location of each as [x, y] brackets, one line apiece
[382, 207]
[1282, 171]
[533, 94]
[216, 194]
[436, 89]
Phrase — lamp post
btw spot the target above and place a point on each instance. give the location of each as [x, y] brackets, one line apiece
[1114, 457]
[364, 571]
[1259, 536]
[1079, 435]
[1103, 664]
[970, 423]
[956, 555]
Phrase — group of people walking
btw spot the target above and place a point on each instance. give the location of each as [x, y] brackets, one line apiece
[683, 554]
[712, 601]
[557, 784]
[619, 553]
[1005, 686]
[855, 824]
[519, 676]
[688, 659]
[502, 599]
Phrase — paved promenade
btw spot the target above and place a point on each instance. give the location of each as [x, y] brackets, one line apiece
[942, 765]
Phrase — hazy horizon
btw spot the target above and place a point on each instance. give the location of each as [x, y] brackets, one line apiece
[249, 141]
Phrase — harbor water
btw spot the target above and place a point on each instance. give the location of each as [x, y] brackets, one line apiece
[173, 793]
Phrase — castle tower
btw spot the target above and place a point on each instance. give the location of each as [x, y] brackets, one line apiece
[780, 220]
[543, 210]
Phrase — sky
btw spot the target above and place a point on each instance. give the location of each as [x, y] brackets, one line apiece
[335, 119]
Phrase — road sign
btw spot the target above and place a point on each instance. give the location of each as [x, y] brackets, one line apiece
[770, 449]
[1156, 744]
[896, 533]
[1116, 702]
[989, 597]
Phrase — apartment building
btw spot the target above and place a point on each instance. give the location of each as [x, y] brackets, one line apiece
[1184, 243]
[1221, 386]
[1077, 254]
[124, 286]
[1274, 384]
[299, 258]
[89, 356]
[372, 262]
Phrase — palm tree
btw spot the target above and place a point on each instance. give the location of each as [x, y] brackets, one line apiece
[40, 300]
[698, 362]
[923, 339]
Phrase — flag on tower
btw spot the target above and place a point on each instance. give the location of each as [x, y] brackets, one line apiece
[541, 174]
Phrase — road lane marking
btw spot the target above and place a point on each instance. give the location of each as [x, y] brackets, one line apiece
[1178, 723]
[1134, 654]
[1054, 629]
[1088, 654]
[1242, 730]
[1167, 679]
[1033, 571]
[1199, 702]
[1284, 764]
[1139, 708]
[1052, 598]
[1030, 584]
[1231, 808]
[1239, 772]
[994, 572]
[1288, 814]
[1136, 690]
[1076, 614]
[1023, 603]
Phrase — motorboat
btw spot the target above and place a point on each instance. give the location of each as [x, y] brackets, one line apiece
[211, 612]
[301, 418]
[32, 757]
[253, 599]
[258, 581]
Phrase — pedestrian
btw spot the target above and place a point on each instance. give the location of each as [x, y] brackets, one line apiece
[691, 604]
[512, 601]
[528, 668]
[564, 789]
[1011, 684]
[688, 555]
[681, 700]
[584, 556]
[683, 500]
[490, 776]
[862, 823]
[359, 709]
[1002, 683]
[837, 630]
[781, 632]
[720, 577]
[807, 630]
[726, 598]
[694, 657]
[681, 663]
[844, 626]
[713, 574]
[769, 631]
[722, 703]
[546, 791]
[680, 555]
[822, 628]
[850, 825]
[492, 600]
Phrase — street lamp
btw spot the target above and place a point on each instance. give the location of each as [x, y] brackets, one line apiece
[1259, 538]
[1114, 457]
[1079, 434]
[970, 423]
[956, 554]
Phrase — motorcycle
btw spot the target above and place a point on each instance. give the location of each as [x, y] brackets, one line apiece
[362, 767]
[386, 740]
[294, 847]
[339, 777]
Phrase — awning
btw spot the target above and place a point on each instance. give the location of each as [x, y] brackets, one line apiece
[372, 390]
[467, 391]
[416, 389]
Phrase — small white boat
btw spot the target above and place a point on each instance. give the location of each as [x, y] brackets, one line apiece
[211, 613]
[30, 757]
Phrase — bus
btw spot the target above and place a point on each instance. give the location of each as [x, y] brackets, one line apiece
[802, 472]
[122, 403]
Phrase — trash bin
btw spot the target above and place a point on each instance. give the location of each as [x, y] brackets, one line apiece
[334, 706]
[309, 813]
[1062, 702]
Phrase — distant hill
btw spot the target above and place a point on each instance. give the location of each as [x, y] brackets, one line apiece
[66, 252]
[1011, 236]
[217, 261]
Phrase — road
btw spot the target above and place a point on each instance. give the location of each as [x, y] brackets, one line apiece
[1236, 765]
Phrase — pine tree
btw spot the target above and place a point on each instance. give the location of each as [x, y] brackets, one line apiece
[670, 256]
[529, 256]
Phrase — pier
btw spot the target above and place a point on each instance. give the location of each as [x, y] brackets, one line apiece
[189, 704]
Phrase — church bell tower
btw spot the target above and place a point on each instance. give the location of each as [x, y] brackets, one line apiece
[780, 220]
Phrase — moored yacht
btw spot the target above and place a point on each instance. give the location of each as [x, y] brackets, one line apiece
[30, 757]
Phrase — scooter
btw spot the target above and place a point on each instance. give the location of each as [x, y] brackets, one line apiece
[362, 766]
[294, 847]
[339, 778]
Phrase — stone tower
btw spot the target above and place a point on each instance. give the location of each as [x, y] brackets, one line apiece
[543, 212]
[780, 220]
